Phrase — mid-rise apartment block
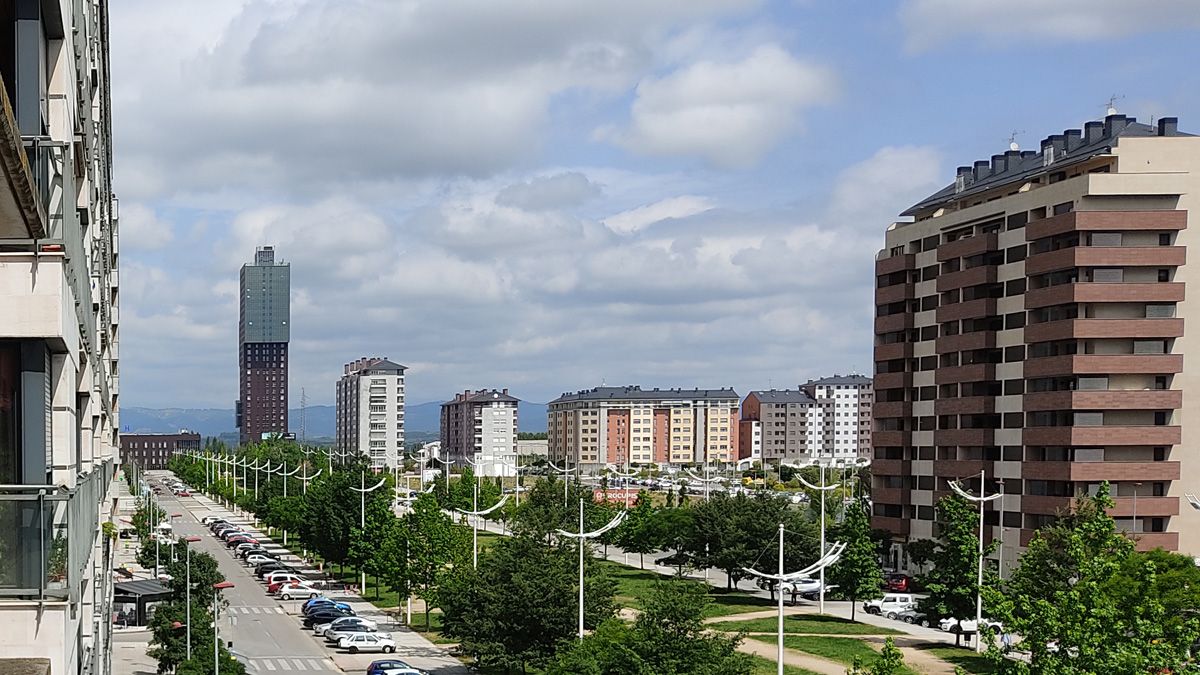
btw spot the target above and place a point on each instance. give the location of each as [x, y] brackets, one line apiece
[1030, 325]
[263, 335]
[59, 338]
[828, 418]
[370, 411]
[479, 429]
[153, 451]
[631, 425]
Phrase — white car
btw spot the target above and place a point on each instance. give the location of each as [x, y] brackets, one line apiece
[281, 575]
[323, 628]
[255, 559]
[890, 605]
[368, 642]
[303, 589]
[952, 625]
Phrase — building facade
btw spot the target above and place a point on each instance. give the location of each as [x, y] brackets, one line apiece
[59, 338]
[629, 425]
[480, 428]
[370, 411]
[263, 335]
[828, 418]
[1030, 325]
[153, 451]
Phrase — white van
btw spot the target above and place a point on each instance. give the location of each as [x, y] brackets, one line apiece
[891, 605]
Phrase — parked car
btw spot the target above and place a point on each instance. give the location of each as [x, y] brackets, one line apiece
[184, 493]
[209, 519]
[334, 635]
[244, 546]
[890, 605]
[367, 642]
[326, 615]
[256, 558]
[392, 667]
[966, 626]
[266, 568]
[275, 580]
[322, 628]
[313, 605]
[898, 583]
[302, 589]
[914, 617]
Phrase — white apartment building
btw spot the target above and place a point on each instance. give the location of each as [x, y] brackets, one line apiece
[479, 429]
[828, 418]
[58, 338]
[370, 411]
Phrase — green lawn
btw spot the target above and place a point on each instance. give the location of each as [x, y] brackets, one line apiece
[804, 623]
[971, 662]
[434, 634]
[767, 667]
[633, 584]
[841, 649]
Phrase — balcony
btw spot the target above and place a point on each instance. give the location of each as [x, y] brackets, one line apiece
[1067, 329]
[1133, 399]
[897, 526]
[1104, 364]
[1100, 471]
[889, 467]
[34, 297]
[893, 293]
[1111, 221]
[893, 322]
[21, 211]
[1147, 507]
[47, 533]
[881, 409]
[964, 248]
[1046, 504]
[964, 405]
[1104, 292]
[964, 437]
[892, 380]
[984, 274]
[1147, 541]
[970, 309]
[896, 263]
[1104, 256]
[960, 468]
[1101, 436]
[895, 350]
[891, 439]
[980, 339]
[975, 372]
[881, 495]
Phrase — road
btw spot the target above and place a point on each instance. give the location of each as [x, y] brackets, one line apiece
[264, 637]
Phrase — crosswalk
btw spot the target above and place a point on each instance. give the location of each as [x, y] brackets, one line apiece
[275, 609]
[290, 664]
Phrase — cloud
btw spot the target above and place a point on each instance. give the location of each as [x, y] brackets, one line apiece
[930, 23]
[674, 207]
[558, 191]
[868, 193]
[141, 228]
[728, 113]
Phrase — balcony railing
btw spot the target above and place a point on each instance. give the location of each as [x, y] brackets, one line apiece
[46, 536]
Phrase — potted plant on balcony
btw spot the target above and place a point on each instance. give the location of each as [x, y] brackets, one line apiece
[58, 559]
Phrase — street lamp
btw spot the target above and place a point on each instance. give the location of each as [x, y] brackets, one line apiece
[826, 559]
[821, 489]
[475, 514]
[981, 500]
[285, 473]
[564, 471]
[219, 586]
[581, 536]
[190, 541]
[362, 518]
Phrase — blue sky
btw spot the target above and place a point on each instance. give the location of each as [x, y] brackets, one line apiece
[548, 195]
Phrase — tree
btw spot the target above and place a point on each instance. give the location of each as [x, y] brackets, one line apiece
[889, 662]
[640, 533]
[952, 584]
[857, 574]
[1085, 601]
[435, 543]
[515, 609]
[667, 638]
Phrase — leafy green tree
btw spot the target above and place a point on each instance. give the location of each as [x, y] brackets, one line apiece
[952, 584]
[520, 604]
[435, 543]
[365, 552]
[667, 638]
[639, 533]
[857, 573]
[889, 662]
[1085, 601]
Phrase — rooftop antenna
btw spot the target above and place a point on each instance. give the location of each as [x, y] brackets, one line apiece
[1111, 106]
[1012, 140]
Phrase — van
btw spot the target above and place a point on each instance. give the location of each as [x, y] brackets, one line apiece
[891, 605]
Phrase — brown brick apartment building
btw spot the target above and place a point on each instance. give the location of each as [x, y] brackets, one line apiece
[1030, 323]
[153, 451]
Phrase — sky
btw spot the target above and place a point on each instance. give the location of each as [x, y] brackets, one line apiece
[551, 195]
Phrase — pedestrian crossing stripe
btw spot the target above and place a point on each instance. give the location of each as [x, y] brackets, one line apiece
[288, 665]
[275, 609]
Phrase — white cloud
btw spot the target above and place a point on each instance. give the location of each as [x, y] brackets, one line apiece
[675, 207]
[141, 228]
[728, 113]
[557, 191]
[869, 192]
[929, 23]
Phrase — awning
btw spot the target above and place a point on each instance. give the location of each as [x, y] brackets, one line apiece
[142, 588]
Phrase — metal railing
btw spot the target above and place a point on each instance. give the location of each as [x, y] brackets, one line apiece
[47, 533]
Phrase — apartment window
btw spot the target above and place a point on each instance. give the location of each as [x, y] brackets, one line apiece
[1014, 320]
[1164, 275]
[1065, 207]
[1164, 239]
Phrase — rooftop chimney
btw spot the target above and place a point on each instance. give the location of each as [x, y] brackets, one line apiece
[1074, 139]
[999, 164]
[981, 169]
[1168, 126]
[1093, 132]
[1113, 124]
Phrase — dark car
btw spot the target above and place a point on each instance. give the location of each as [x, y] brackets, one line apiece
[326, 616]
[266, 567]
[914, 617]
[258, 550]
[313, 605]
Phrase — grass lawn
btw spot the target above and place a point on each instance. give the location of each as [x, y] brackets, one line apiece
[434, 634]
[804, 623]
[966, 658]
[840, 649]
[633, 584]
[767, 667]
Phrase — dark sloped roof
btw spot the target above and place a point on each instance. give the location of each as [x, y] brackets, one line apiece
[840, 379]
[1070, 147]
[483, 395]
[384, 365]
[636, 393]
[782, 396]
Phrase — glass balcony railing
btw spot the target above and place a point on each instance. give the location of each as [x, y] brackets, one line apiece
[46, 536]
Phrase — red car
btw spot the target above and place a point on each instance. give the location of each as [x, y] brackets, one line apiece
[184, 493]
[241, 539]
[898, 583]
[275, 586]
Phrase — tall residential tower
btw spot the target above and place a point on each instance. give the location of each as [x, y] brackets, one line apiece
[59, 343]
[370, 411]
[263, 334]
[1031, 325]
[480, 427]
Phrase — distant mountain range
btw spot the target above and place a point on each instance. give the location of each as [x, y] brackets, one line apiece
[421, 420]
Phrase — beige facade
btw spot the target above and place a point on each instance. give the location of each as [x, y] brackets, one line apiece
[1030, 325]
[479, 428]
[370, 411]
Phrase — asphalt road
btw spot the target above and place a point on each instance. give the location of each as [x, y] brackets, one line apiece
[264, 637]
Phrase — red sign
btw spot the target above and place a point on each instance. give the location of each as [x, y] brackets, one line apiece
[621, 495]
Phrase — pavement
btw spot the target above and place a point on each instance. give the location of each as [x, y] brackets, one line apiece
[266, 633]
